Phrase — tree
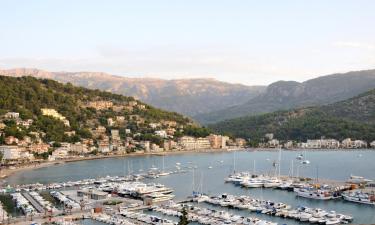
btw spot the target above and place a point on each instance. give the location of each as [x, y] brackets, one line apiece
[183, 217]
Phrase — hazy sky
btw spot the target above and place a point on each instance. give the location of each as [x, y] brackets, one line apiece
[251, 42]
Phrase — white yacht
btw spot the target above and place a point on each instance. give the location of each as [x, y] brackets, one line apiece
[313, 193]
[359, 197]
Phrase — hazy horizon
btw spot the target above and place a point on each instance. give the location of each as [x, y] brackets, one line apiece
[247, 42]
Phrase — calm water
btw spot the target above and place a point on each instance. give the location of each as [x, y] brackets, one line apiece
[337, 165]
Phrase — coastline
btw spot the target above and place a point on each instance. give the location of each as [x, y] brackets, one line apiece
[4, 173]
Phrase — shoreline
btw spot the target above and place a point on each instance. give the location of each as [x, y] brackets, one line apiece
[4, 173]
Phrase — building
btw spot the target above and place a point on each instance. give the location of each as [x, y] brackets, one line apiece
[154, 125]
[60, 153]
[360, 144]
[348, 143]
[314, 144]
[53, 113]
[240, 142]
[187, 142]
[110, 122]
[372, 144]
[156, 148]
[79, 148]
[191, 143]
[104, 146]
[100, 105]
[161, 133]
[12, 115]
[10, 140]
[39, 148]
[145, 145]
[132, 103]
[269, 136]
[215, 141]
[288, 144]
[115, 135]
[120, 119]
[92, 194]
[218, 141]
[169, 145]
[169, 123]
[10, 152]
[99, 131]
[274, 143]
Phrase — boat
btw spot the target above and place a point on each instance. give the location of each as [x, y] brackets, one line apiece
[305, 162]
[253, 183]
[313, 193]
[299, 157]
[358, 180]
[359, 197]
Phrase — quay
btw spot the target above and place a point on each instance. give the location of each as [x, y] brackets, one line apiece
[34, 203]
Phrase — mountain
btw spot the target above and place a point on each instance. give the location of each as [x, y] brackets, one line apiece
[63, 112]
[186, 96]
[283, 95]
[354, 117]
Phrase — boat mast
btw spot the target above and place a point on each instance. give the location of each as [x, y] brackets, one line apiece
[254, 167]
[279, 162]
[234, 162]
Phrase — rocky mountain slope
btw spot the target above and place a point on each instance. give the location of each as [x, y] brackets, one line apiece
[186, 96]
[283, 95]
[354, 117]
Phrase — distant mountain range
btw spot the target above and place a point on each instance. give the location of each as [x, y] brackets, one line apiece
[353, 118]
[209, 101]
[186, 96]
[283, 95]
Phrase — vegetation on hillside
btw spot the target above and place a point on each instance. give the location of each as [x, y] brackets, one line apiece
[350, 118]
[28, 95]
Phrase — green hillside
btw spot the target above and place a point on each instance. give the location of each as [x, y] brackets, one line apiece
[353, 118]
[28, 95]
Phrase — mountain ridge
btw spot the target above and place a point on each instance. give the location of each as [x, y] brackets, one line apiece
[283, 95]
[187, 96]
[354, 118]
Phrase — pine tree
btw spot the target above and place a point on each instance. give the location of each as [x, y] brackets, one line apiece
[183, 217]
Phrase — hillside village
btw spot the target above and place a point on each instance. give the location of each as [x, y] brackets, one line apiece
[46, 120]
[106, 139]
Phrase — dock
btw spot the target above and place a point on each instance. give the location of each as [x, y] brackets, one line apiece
[34, 203]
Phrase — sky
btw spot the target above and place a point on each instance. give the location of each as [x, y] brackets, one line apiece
[237, 41]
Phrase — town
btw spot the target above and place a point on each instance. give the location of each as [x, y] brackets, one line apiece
[110, 140]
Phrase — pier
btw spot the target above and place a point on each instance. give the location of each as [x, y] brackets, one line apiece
[34, 203]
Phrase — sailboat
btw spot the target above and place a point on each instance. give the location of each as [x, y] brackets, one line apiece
[305, 161]
[163, 172]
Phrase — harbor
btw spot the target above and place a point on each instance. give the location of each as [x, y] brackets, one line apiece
[111, 186]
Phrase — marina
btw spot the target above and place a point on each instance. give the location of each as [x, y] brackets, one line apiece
[133, 186]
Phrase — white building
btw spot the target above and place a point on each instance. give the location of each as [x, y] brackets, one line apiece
[12, 115]
[274, 143]
[372, 144]
[79, 148]
[115, 135]
[10, 152]
[161, 133]
[191, 143]
[60, 153]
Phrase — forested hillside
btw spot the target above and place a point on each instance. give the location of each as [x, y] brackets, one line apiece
[28, 96]
[353, 118]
